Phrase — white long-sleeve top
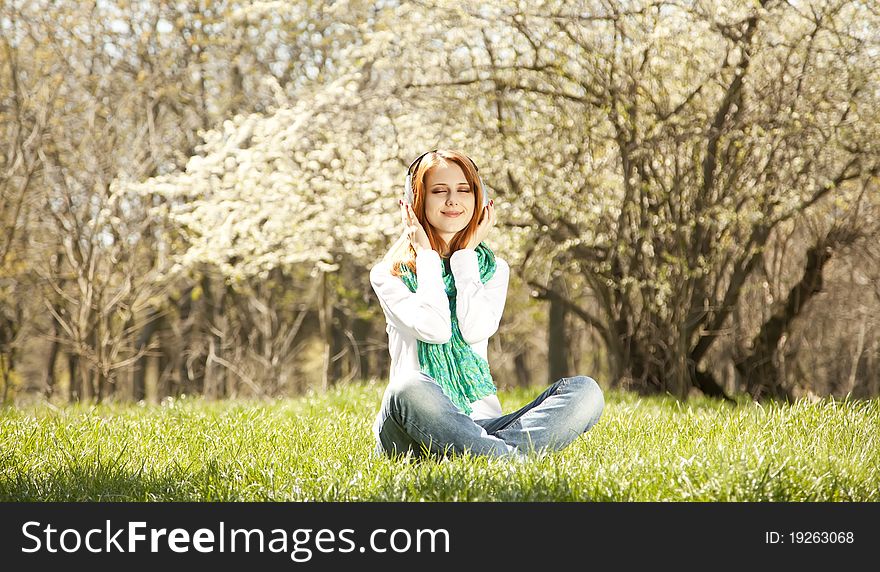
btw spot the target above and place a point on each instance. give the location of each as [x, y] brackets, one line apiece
[424, 314]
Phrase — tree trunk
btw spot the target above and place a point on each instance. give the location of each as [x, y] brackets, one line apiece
[7, 361]
[559, 346]
[360, 330]
[758, 368]
[325, 317]
[76, 382]
[51, 360]
[202, 330]
[96, 380]
[381, 358]
[177, 356]
[164, 370]
[341, 361]
[213, 382]
[222, 323]
[101, 383]
[520, 368]
[138, 385]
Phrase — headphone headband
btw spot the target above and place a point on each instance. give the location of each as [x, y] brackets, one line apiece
[408, 189]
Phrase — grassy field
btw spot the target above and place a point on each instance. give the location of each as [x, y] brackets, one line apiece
[319, 447]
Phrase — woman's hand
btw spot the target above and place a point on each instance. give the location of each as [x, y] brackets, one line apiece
[486, 222]
[417, 235]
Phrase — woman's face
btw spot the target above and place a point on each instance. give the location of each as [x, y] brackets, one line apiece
[447, 192]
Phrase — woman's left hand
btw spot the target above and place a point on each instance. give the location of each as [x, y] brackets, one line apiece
[486, 222]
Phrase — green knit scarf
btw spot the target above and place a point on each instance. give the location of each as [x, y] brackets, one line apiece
[462, 373]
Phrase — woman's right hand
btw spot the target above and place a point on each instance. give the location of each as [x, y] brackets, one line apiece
[487, 221]
[413, 229]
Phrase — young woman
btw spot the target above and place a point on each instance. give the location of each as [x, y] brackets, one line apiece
[443, 292]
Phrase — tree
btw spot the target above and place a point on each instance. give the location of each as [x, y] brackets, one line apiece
[651, 152]
[703, 129]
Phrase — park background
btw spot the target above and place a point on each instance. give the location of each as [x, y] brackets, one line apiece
[192, 193]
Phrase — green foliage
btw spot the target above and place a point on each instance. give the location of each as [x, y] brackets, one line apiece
[319, 447]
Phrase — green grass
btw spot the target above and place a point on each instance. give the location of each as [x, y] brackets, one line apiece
[318, 447]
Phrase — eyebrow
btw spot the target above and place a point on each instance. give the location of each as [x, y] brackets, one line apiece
[445, 185]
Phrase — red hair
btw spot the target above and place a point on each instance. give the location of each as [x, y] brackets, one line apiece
[408, 255]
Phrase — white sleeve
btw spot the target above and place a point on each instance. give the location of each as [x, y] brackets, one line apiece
[478, 306]
[424, 313]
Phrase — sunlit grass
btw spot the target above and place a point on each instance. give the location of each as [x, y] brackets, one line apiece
[319, 447]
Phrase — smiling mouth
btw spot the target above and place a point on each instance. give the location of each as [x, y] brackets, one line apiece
[453, 215]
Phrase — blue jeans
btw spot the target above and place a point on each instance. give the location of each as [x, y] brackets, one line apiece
[417, 416]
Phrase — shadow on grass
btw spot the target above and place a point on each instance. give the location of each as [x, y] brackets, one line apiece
[404, 480]
[78, 483]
